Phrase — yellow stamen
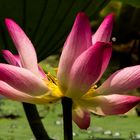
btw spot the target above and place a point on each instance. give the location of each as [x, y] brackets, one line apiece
[52, 84]
[51, 78]
[91, 92]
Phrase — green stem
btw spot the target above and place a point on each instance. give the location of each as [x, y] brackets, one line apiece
[67, 118]
[35, 122]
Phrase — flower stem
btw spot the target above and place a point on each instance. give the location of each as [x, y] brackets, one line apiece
[67, 118]
[35, 122]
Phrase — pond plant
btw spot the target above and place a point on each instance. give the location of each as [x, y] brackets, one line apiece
[83, 61]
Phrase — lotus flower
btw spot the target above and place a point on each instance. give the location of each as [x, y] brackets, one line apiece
[83, 61]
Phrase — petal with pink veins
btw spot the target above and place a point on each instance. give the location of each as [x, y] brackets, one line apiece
[121, 81]
[103, 33]
[81, 117]
[24, 46]
[87, 69]
[10, 92]
[106, 58]
[77, 42]
[110, 104]
[22, 79]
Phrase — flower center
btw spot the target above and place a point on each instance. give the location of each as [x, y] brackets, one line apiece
[90, 92]
[52, 84]
[55, 91]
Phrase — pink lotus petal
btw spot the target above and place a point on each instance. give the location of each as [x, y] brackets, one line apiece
[42, 73]
[103, 33]
[78, 41]
[81, 118]
[106, 58]
[87, 68]
[121, 81]
[10, 58]
[111, 104]
[15, 60]
[22, 79]
[24, 46]
[10, 92]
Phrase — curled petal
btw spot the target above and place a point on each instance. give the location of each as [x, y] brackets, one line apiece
[10, 92]
[87, 69]
[78, 41]
[22, 79]
[24, 46]
[81, 117]
[103, 33]
[10, 58]
[110, 104]
[121, 81]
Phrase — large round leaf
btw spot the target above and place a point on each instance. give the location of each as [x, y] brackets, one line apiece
[46, 22]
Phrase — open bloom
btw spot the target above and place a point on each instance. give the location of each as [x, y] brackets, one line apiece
[83, 61]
